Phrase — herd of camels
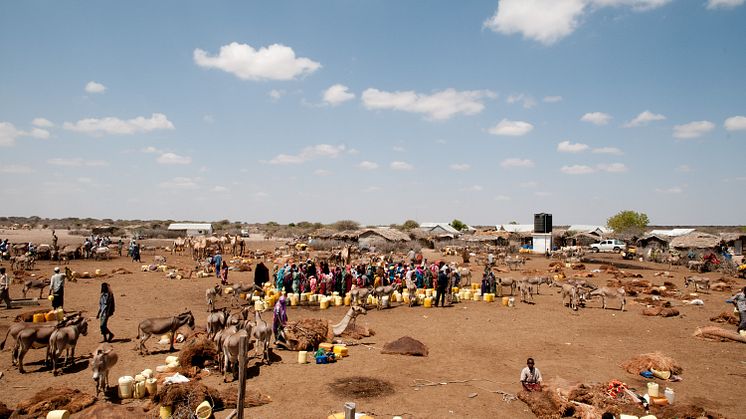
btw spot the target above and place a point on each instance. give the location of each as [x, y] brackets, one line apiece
[199, 246]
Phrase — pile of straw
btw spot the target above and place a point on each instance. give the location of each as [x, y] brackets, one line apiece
[718, 334]
[199, 351]
[52, 398]
[654, 360]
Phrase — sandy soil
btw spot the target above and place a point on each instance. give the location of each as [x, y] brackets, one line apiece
[471, 340]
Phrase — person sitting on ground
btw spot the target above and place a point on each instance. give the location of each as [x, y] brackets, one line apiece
[531, 377]
[739, 300]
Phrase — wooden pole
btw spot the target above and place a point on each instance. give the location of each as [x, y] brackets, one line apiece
[242, 344]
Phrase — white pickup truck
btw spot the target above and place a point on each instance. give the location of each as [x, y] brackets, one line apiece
[612, 245]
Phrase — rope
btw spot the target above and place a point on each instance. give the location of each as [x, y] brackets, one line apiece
[420, 383]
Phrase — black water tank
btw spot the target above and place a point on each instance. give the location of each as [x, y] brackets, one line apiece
[542, 223]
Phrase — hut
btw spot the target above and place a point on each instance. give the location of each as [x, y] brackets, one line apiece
[384, 234]
[653, 241]
[734, 242]
[697, 242]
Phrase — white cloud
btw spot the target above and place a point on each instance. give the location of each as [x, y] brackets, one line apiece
[693, 129]
[474, 188]
[42, 122]
[528, 184]
[613, 167]
[597, 118]
[568, 147]
[8, 134]
[515, 162]
[39, 133]
[76, 162]
[400, 166]
[368, 165]
[577, 169]
[548, 21]
[353, 151]
[309, 153]
[552, 99]
[275, 62]
[735, 123]
[460, 167]
[502, 198]
[113, 125]
[322, 172]
[150, 150]
[724, 4]
[337, 94]
[527, 101]
[672, 190]
[180, 183]
[93, 87]
[172, 158]
[643, 119]
[276, 94]
[684, 168]
[438, 106]
[16, 169]
[607, 150]
[219, 189]
[511, 128]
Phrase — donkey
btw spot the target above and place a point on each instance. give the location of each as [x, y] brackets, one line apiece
[103, 360]
[161, 325]
[66, 338]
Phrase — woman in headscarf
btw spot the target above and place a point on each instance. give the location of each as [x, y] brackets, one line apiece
[105, 310]
[280, 317]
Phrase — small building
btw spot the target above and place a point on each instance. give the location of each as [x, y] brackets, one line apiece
[697, 242]
[598, 231]
[653, 241]
[192, 229]
[516, 228]
[385, 234]
[734, 242]
[439, 229]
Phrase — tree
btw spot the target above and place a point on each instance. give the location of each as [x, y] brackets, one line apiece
[343, 225]
[410, 225]
[458, 224]
[628, 222]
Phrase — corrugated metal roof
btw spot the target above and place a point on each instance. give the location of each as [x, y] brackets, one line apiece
[674, 232]
[516, 228]
[445, 226]
[587, 228]
[190, 226]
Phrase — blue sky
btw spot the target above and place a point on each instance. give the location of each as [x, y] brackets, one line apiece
[377, 111]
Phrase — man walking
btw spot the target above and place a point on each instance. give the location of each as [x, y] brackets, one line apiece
[5, 288]
[57, 288]
[218, 261]
[442, 286]
[739, 300]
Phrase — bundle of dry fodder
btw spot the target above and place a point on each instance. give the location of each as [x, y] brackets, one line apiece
[718, 334]
[305, 334]
[199, 351]
[405, 346]
[120, 271]
[655, 360]
[562, 399]
[60, 398]
[185, 397]
[727, 317]
[664, 310]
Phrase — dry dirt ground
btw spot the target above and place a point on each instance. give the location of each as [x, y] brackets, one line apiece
[471, 340]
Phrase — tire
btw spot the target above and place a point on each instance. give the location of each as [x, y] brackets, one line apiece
[595, 250]
[617, 250]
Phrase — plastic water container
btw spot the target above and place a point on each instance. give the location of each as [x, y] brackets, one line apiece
[385, 301]
[653, 389]
[165, 412]
[348, 299]
[58, 414]
[340, 351]
[139, 390]
[428, 302]
[324, 304]
[151, 386]
[670, 395]
[126, 387]
[338, 301]
[39, 318]
[147, 373]
[505, 301]
[204, 410]
[302, 357]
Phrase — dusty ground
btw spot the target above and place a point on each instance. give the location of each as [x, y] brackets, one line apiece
[471, 340]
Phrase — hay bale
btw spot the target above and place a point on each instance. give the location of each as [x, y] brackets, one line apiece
[199, 351]
[305, 334]
[727, 317]
[718, 334]
[405, 346]
[657, 360]
[185, 397]
[55, 398]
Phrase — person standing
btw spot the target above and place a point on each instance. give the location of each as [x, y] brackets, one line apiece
[5, 288]
[120, 246]
[218, 261]
[280, 317]
[224, 274]
[54, 241]
[105, 310]
[442, 286]
[57, 288]
[531, 377]
[739, 300]
[136, 253]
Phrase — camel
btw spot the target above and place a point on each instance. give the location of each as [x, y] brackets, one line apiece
[348, 320]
